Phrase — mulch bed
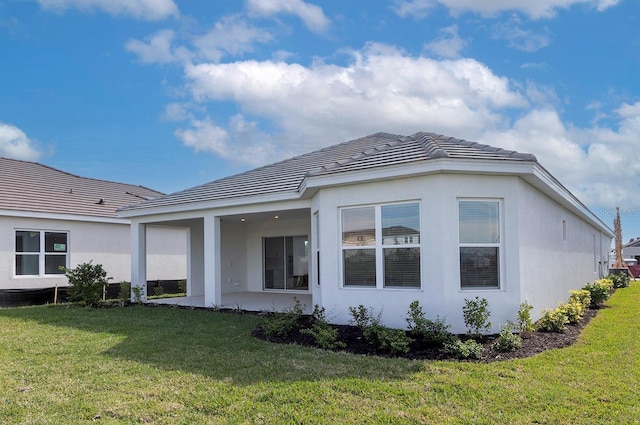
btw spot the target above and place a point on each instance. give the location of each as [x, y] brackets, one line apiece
[532, 344]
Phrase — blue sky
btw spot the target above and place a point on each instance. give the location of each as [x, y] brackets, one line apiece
[170, 94]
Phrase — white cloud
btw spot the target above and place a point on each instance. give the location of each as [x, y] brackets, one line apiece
[596, 163]
[448, 45]
[142, 9]
[417, 9]
[535, 9]
[312, 15]
[231, 35]
[14, 143]
[158, 48]
[519, 38]
[242, 142]
[382, 89]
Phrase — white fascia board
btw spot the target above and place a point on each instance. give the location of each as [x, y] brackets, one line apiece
[241, 201]
[312, 184]
[545, 182]
[66, 217]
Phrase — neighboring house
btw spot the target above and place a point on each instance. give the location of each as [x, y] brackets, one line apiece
[382, 221]
[632, 250]
[50, 218]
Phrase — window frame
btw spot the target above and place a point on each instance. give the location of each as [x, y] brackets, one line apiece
[42, 253]
[306, 277]
[499, 245]
[379, 247]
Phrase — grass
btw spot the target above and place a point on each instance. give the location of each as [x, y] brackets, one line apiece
[174, 366]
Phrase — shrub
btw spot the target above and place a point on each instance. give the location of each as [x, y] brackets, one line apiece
[599, 291]
[388, 340]
[525, 325]
[86, 283]
[125, 291]
[619, 280]
[393, 341]
[468, 349]
[324, 335]
[553, 321]
[425, 331]
[158, 290]
[572, 310]
[284, 324]
[476, 316]
[507, 340]
[360, 317]
[582, 296]
[182, 286]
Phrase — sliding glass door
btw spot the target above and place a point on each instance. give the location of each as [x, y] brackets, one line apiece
[286, 262]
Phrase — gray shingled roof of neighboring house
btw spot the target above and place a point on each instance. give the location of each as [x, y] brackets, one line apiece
[376, 150]
[32, 187]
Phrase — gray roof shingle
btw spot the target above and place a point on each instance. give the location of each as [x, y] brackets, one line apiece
[33, 187]
[376, 150]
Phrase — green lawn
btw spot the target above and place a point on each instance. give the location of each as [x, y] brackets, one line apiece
[61, 365]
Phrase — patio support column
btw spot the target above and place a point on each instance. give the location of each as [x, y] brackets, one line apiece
[138, 261]
[212, 266]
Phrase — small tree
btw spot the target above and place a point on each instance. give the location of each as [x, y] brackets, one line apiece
[86, 283]
[476, 316]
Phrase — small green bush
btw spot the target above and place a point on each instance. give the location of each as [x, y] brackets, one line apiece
[619, 280]
[469, 349]
[476, 316]
[324, 335]
[599, 291]
[158, 290]
[361, 317]
[87, 281]
[427, 332]
[552, 321]
[125, 291]
[525, 324]
[572, 310]
[507, 340]
[284, 324]
[582, 296]
[393, 341]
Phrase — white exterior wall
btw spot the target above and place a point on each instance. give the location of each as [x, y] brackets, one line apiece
[550, 265]
[440, 294]
[104, 243]
[233, 256]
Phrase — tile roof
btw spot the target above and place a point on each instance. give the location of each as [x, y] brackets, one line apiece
[33, 187]
[376, 150]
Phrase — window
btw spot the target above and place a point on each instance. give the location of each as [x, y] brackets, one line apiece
[40, 253]
[381, 246]
[286, 264]
[480, 244]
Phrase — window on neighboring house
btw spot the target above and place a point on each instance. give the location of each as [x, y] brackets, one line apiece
[480, 244]
[41, 253]
[381, 246]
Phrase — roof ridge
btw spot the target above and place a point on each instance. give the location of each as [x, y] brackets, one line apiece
[394, 140]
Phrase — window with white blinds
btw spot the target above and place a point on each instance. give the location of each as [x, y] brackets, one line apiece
[479, 243]
[381, 246]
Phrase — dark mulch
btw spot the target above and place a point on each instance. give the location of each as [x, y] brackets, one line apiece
[532, 344]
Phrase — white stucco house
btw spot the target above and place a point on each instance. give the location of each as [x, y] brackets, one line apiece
[382, 221]
[50, 218]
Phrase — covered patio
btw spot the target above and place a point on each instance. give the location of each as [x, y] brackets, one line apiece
[252, 260]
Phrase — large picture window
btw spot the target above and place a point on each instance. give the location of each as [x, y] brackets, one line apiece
[41, 253]
[480, 243]
[381, 246]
